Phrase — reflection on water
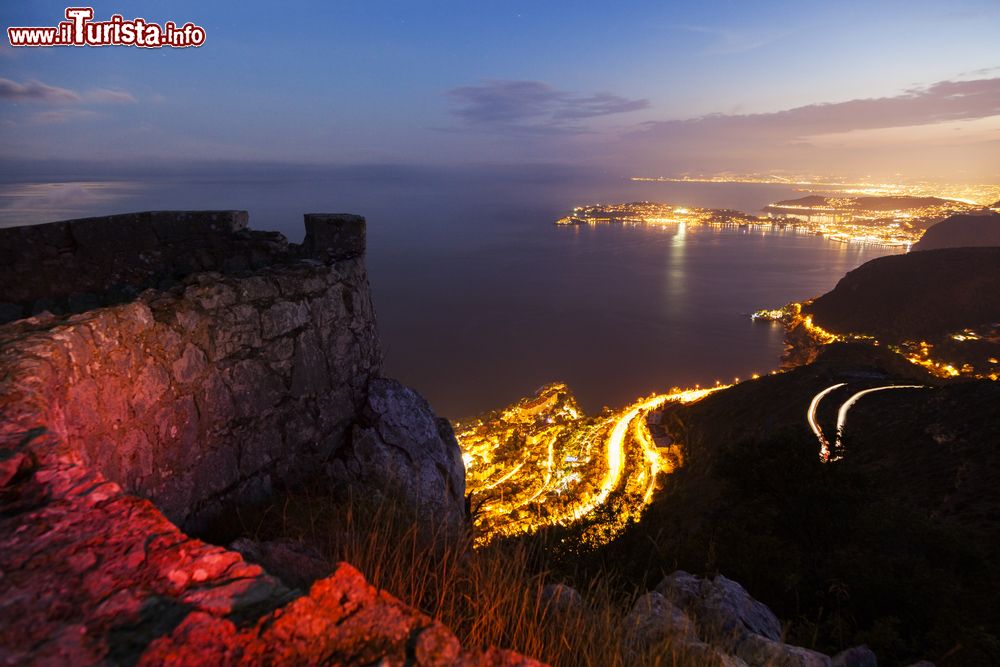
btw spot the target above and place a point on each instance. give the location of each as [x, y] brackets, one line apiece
[616, 312]
[35, 202]
[481, 299]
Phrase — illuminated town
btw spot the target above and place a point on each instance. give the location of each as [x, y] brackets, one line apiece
[652, 213]
[971, 353]
[542, 462]
[893, 221]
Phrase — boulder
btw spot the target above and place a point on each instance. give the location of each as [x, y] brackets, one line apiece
[726, 608]
[856, 656]
[655, 619]
[738, 626]
[402, 449]
[721, 606]
[560, 598]
[700, 653]
[757, 650]
[681, 588]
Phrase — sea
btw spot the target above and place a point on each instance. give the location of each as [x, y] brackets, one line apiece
[480, 297]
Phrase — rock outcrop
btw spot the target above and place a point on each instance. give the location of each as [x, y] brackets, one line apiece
[92, 575]
[400, 448]
[716, 621]
[227, 363]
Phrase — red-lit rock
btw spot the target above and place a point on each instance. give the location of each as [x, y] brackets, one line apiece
[91, 576]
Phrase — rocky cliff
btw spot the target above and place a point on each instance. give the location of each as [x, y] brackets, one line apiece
[221, 363]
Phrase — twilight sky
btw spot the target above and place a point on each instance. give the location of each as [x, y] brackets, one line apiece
[651, 88]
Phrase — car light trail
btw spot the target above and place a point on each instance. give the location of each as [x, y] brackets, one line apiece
[824, 446]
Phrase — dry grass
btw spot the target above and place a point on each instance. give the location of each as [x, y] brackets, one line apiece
[490, 596]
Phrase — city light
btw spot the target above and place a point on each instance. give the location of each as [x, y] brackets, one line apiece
[889, 220]
[543, 462]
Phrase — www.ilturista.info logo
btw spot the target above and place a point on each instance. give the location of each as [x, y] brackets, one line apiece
[79, 29]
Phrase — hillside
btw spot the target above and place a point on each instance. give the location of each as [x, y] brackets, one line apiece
[888, 203]
[892, 545]
[914, 296]
[962, 231]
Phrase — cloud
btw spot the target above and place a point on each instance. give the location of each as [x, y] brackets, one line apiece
[804, 135]
[58, 116]
[110, 96]
[981, 72]
[41, 92]
[36, 91]
[534, 105]
[941, 102]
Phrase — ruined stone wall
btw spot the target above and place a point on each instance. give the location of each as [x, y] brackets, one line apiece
[77, 265]
[218, 386]
[214, 389]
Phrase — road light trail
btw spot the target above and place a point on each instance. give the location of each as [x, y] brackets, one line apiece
[583, 459]
[616, 445]
[654, 461]
[824, 446]
[547, 479]
[849, 403]
[510, 473]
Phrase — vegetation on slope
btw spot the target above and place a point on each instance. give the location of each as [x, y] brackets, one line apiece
[914, 296]
[490, 596]
[892, 546]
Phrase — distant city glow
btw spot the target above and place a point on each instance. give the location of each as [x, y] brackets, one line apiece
[892, 221]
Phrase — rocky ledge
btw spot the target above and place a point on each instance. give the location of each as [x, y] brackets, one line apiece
[91, 575]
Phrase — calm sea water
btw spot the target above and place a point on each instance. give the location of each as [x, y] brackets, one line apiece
[481, 299]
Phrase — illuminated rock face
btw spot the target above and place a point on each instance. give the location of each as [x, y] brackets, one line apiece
[199, 394]
[216, 388]
[397, 428]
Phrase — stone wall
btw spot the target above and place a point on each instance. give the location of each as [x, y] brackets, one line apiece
[202, 389]
[81, 264]
[219, 385]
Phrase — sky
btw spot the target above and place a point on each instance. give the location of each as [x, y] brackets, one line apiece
[907, 88]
